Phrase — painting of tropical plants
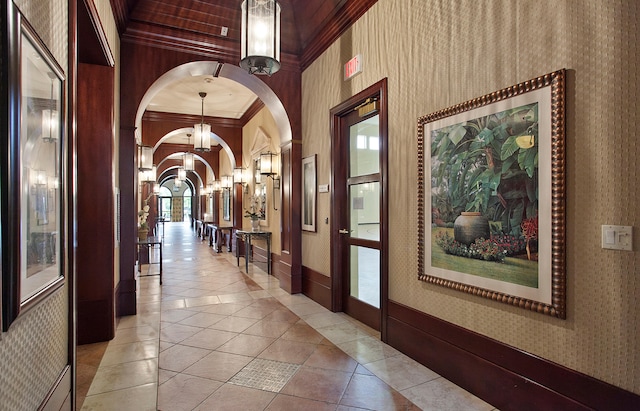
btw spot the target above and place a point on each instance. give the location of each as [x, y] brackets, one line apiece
[491, 175]
[488, 165]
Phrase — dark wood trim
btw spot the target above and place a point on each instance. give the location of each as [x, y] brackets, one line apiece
[251, 111]
[191, 119]
[284, 273]
[69, 152]
[92, 38]
[126, 297]
[9, 165]
[337, 24]
[95, 236]
[224, 50]
[338, 197]
[120, 14]
[317, 287]
[504, 376]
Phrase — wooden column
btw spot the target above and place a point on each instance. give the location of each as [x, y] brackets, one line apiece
[95, 213]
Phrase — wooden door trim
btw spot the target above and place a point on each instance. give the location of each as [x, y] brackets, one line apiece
[378, 90]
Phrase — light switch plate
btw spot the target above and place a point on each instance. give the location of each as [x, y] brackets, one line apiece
[617, 237]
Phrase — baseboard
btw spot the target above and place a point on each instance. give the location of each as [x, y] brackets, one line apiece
[59, 393]
[289, 281]
[126, 297]
[504, 376]
[317, 287]
[95, 321]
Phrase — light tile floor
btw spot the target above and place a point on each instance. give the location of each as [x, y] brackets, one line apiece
[214, 338]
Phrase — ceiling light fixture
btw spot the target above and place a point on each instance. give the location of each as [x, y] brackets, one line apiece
[202, 131]
[260, 43]
[189, 159]
[182, 174]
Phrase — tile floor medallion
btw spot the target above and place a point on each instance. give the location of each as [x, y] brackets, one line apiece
[267, 375]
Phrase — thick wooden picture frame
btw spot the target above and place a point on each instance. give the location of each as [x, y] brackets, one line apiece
[32, 172]
[491, 196]
[309, 193]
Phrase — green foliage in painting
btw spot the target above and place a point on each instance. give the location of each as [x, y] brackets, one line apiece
[488, 164]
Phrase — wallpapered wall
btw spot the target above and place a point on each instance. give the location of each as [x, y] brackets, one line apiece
[440, 53]
[33, 352]
[264, 120]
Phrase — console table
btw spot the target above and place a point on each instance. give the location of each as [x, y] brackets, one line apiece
[148, 243]
[246, 237]
[217, 236]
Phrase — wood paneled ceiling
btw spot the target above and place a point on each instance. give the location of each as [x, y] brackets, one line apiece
[308, 26]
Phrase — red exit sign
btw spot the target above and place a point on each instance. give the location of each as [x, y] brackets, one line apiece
[353, 67]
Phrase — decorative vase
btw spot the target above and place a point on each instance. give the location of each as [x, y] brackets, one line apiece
[255, 225]
[142, 234]
[470, 226]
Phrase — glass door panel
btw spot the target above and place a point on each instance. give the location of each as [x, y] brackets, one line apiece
[365, 275]
[364, 145]
[365, 210]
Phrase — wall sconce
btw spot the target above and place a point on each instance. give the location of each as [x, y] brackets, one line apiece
[145, 158]
[208, 191]
[202, 131]
[188, 161]
[182, 174]
[216, 186]
[269, 167]
[226, 182]
[156, 188]
[148, 176]
[260, 42]
[239, 176]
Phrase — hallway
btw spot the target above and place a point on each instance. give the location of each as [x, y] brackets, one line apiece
[214, 338]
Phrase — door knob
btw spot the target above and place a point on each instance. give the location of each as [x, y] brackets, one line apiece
[343, 231]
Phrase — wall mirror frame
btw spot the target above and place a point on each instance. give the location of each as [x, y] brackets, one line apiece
[259, 194]
[32, 138]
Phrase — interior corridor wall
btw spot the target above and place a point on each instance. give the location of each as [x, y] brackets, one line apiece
[440, 53]
[33, 352]
[262, 124]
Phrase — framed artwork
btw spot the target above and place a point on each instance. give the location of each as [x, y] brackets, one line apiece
[309, 193]
[32, 173]
[226, 204]
[491, 189]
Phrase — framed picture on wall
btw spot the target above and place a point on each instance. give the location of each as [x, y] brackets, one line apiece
[309, 193]
[491, 187]
[226, 204]
[32, 175]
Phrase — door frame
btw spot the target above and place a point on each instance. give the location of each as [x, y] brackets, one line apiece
[338, 199]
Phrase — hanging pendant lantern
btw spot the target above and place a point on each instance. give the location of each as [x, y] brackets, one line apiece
[182, 174]
[202, 131]
[260, 49]
[188, 161]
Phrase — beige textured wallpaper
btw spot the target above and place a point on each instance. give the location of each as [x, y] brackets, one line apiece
[439, 53]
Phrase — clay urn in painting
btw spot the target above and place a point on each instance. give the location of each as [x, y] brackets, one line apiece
[470, 226]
